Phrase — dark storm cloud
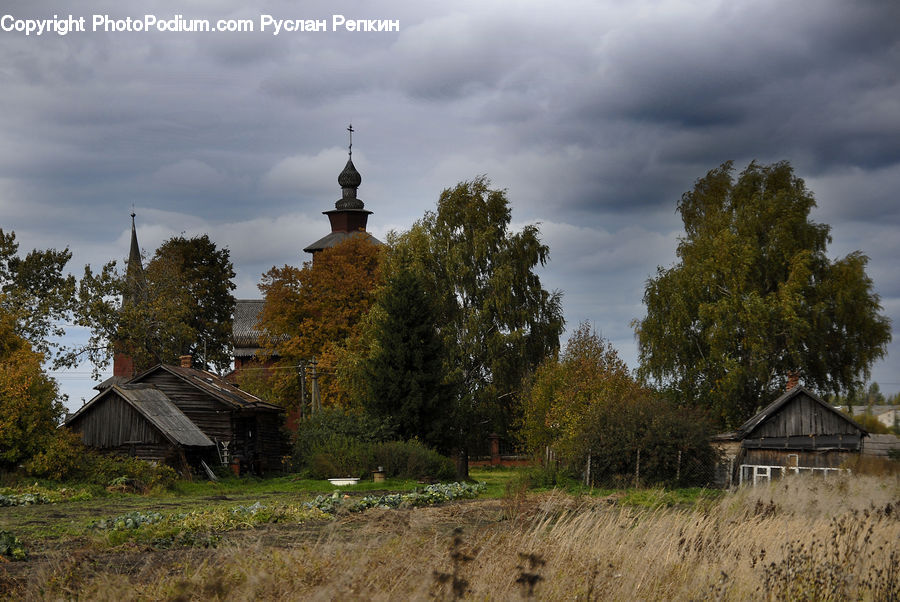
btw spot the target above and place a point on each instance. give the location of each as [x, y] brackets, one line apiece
[595, 117]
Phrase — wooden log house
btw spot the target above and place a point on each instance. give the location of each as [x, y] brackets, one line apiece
[796, 433]
[140, 421]
[224, 422]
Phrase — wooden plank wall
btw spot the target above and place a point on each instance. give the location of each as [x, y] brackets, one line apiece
[819, 459]
[112, 422]
[803, 417]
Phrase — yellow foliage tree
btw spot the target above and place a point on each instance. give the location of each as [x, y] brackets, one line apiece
[586, 404]
[29, 405]
[312, 312]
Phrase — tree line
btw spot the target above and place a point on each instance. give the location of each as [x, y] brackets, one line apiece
[448, 333]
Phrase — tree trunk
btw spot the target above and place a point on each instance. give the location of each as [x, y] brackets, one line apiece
[462, 465]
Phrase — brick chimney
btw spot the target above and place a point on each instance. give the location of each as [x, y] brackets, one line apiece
[792, 381]
[123, 365]
[185, 361]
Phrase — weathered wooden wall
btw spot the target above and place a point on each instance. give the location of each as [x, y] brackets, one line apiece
[254, 435]
[803, 416]
[113, 425]
[811, 459]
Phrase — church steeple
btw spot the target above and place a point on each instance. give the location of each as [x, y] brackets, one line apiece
[134, 293]
[349, 216]
[135, 283]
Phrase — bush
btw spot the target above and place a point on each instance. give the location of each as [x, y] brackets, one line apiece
[67, 459]
[339, 456]
[411, 460]
[334, 444]
[63, 459]
[334, 430]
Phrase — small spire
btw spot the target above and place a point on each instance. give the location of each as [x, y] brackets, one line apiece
[349, 180]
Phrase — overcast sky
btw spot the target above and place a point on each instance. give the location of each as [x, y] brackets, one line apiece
[595, 116]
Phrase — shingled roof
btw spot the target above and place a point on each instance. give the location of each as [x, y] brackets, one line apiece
[336, 238]
[157, 409]
[216, 387]
[244, 333]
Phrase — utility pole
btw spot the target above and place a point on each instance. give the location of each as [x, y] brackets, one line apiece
[301, 367]
[316, 399]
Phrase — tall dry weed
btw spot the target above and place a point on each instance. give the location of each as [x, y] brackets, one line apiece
[801, 538]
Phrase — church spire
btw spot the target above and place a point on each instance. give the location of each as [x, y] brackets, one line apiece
[350, 148]
[135, 283]
[349, 216]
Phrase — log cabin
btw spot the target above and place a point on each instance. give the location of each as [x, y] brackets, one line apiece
[227, 423]
[796, 433]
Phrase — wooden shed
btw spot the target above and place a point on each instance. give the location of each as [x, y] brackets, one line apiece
[139, 420]
[240, 424]
[796, 433]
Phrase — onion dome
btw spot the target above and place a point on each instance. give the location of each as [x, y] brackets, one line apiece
[349, 179]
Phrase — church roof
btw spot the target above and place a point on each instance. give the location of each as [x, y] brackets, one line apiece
[336, 238]
[246, 317]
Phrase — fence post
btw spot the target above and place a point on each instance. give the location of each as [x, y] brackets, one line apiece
[301, 367]
[316, 399]
[587, 471]
[637, 469]
[678, 468]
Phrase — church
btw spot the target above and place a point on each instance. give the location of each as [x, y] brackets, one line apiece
[349, 218]
[182, 415]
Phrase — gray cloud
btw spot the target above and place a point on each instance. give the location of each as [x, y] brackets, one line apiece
[594, 116]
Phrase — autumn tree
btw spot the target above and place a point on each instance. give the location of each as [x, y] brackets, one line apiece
[180, 304]
[404, 371]
[754, 297]
[496, 320]
[310, 312]
[29, 402]
[35, 292]
[586, 404]
[204, 274]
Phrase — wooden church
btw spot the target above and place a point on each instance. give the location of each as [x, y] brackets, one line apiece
[349, 218]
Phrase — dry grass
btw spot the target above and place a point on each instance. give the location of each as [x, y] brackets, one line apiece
[799, 539]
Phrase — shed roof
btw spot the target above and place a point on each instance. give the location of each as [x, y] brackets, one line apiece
[153, 405]
[746, 429]
[214, 386]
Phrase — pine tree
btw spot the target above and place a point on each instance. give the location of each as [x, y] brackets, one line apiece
[405, 372]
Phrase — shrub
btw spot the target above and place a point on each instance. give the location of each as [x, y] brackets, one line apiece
[335, 444]
[332, 430]
[412, 459]
[67, 459]
[339, 456]
[64, 458]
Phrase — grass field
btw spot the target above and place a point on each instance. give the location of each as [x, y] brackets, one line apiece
[805, 539]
